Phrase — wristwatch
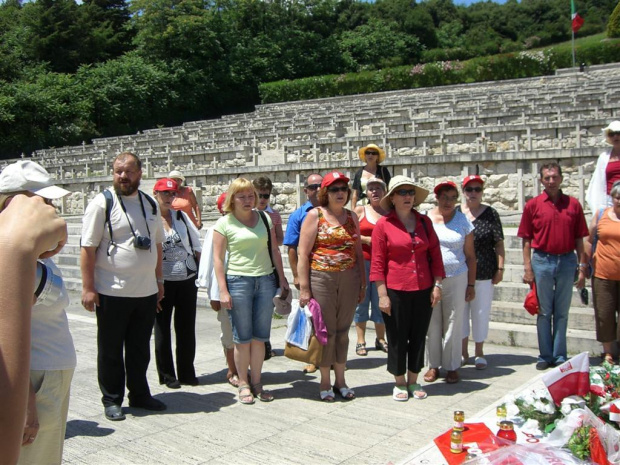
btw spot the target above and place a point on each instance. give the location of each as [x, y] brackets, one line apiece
[439, 285]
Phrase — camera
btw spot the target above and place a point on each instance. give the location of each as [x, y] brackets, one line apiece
[49, 286]
[142, 242]
[583, 293]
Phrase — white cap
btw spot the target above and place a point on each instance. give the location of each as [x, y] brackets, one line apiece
[26, 175]
[176, 174]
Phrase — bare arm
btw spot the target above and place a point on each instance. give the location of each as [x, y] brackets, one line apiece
[277, 259]
[385, 305]
[196, 209]
[354, 199]
[292, 260]
[219, 253]
[581, 280]
[90, 297]
[360, 263]
[307, 237]
[28, 228]
[470, 258]
[528, 275]
[500, 251]
[279, 239]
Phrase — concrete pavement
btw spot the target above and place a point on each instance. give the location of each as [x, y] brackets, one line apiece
[206, 423]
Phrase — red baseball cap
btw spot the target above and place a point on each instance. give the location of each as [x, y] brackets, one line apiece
[441, 185]
[472, 178]
[333, 177]
[220, 203]
[165, 184]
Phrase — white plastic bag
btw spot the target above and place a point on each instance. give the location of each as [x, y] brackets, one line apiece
[299, 327]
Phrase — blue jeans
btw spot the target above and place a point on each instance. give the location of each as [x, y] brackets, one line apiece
[555, 275]
[252, 306]
[371, 300]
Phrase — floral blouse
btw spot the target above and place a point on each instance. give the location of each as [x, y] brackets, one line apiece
[334, 246]
[487, 233]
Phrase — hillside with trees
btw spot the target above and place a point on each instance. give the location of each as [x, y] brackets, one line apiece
[71, 72]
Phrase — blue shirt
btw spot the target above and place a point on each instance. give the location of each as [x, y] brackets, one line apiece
[293, 227]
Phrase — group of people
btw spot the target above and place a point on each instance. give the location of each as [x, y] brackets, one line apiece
[421, 277]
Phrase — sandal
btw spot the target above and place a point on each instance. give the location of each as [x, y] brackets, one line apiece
[400, 393]
[360, 349]
[452, 377]
[382, 346]
[327, 395]
[431, 375]
[310, 368]
[234, 381]
[345, 393]
[416, 391]
[481, 363]
[261, 394]
[245, 395]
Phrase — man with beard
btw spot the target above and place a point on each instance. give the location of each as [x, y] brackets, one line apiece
[122, 281]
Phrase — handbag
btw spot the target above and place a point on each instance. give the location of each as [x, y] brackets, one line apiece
[275, 271]
[531, 301]
[313, 355]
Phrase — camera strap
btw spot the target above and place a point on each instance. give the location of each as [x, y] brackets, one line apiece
[109, 202]
[120, 199]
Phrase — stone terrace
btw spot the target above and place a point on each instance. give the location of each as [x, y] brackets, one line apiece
[507, 128]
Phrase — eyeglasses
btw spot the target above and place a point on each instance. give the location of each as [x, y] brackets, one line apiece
[403, 192]
[335, 189]
[445, 198]
[372, 153]
[167, 193]
[313, 187]
[473, 189]
[264, 196]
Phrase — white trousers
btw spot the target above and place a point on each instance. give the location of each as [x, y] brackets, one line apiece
[444, 337]
[480, 311]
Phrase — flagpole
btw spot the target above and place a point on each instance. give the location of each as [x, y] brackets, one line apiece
[573, 46]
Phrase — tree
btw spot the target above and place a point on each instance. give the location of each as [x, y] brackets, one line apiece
[613, 26]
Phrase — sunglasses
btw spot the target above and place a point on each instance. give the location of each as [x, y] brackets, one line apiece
[473, 189]
[613, 133]
[372, 153]
[168, 193]
[335, 189]
[313, 187]
[403, 192]
[264, 196]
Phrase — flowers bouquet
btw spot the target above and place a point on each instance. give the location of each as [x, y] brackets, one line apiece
[536, 405]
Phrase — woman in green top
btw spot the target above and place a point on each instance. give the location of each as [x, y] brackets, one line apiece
[247, 282]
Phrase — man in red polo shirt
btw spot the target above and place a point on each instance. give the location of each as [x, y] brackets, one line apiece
[552, 228]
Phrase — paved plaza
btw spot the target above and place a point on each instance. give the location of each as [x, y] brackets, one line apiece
[206, 423]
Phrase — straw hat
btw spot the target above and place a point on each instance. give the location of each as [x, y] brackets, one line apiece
[362, 152]
[399, 181]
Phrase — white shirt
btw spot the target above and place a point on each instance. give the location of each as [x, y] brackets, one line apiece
[126, 271]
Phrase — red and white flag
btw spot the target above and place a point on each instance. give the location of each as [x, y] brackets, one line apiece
[576, 19]
[570, 378]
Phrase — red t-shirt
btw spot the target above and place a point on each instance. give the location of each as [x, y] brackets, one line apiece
[402, 261]
[612, 174]
[553, 227]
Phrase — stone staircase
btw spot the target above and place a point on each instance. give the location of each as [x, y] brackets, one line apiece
[510, 324]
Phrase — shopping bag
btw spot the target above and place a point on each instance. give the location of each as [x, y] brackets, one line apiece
[299, 327]
[313, 355]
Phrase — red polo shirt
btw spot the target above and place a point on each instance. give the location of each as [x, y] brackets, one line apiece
[553, 227]
[402, 261]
